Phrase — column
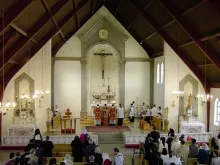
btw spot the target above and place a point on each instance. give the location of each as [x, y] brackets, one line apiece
[52, 82]
[83, 88]
[151, 82]
[122, 81]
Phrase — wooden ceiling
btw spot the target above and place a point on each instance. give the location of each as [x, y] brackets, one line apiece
[190, 27]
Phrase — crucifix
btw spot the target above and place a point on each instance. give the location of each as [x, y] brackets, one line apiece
[103, 54]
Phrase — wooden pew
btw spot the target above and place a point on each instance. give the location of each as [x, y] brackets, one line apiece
[60, 154]
[62, 148]
[191, 160]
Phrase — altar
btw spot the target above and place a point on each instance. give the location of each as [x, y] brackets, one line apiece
[196, 127]
[21, 130]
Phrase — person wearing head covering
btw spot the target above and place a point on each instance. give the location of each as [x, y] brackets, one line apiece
[162, 144]
[203, 155]
[31, 158]
[83, 136]
[175, 145]
[77, 151]
[184, 152]
[106, 159]
[67, 160]
[38, 137]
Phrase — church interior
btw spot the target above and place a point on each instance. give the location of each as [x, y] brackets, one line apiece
[113, 69]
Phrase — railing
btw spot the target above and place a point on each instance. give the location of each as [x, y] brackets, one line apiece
[137, 138]
[23, 140]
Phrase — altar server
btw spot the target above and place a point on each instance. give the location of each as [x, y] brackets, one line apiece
[154, 111]
[131, 113]
[143, 107]
[120, 114]
[112, 115]
[148, 113]
[97, 113]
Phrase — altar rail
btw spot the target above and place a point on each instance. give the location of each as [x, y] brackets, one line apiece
[135, 139]
[24, 140]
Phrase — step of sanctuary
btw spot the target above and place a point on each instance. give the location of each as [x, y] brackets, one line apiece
[110, 138]
[90, 120]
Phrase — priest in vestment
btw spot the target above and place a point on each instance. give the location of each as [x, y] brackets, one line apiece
[97, 113]
[112, 115]
[105, 120]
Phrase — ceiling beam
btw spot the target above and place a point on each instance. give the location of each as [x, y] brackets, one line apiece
[57, 48]
[204, 65]
[140, 14]
[93, 7]
[45, 39]
[201, 39]
[53, 20]
[76, 16]
[172, 44]
[10, 15]
[33, 31]
[21, 31]
[118, 7]
[172, 21]
[213, 57]
[6, 35]
[103, 2]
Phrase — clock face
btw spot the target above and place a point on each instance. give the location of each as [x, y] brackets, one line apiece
[103, 34]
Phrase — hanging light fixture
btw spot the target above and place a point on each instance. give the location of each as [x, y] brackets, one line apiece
[204, 97]
[39, 94]
[178, 93]
[5, 106]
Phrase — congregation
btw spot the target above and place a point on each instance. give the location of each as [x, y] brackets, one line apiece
[37, 152]
[177, 151]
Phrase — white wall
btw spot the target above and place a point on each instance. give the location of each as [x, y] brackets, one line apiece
[34, 69]
[139, 71]
[137, 83]
[67, 86]
[172, 83]
[158, 88]
[214, 128]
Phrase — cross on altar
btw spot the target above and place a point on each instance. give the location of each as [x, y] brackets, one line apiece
[103, 54]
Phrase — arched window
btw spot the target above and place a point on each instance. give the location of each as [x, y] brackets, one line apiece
[158, 73]
[162, 73]
[217, 112]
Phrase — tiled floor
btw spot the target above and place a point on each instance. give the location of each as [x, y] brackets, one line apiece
[108, 148]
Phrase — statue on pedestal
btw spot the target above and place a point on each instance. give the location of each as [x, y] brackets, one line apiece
[189, 106]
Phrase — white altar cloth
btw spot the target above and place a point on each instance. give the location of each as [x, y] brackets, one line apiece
[194, 127]
[21, 130]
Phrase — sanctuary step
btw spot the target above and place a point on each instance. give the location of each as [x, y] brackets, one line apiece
[90, 120]
[110, 138]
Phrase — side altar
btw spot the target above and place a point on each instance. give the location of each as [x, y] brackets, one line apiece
[189, 122]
